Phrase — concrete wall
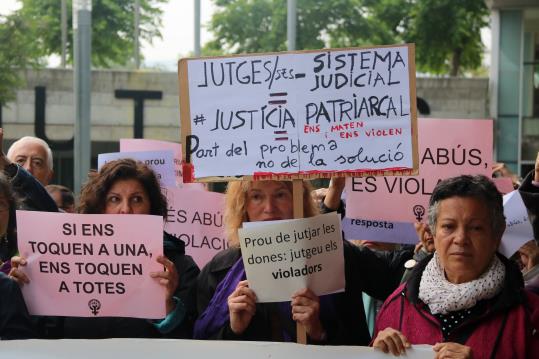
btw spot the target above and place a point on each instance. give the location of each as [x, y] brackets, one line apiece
[455, 97]
[113, 118]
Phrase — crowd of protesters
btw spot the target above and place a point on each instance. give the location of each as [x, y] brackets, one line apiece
[454, 290]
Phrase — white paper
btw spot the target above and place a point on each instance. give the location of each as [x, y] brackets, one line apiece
[161, 162]
[141, 348]
[282, 258]
[341, 110]
[518, 229]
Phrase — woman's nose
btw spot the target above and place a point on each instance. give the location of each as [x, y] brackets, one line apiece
[125, 208]
[269, 205]
[460, 235]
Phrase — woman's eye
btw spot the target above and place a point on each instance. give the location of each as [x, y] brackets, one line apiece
[113, 199]
[282, 194]
[138, 199]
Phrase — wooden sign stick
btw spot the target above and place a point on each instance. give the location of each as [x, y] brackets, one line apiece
[297, 195]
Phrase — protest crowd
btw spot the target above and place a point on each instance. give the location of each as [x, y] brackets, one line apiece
[453, 290]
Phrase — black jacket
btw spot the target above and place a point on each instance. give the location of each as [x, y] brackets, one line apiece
[14, 320]
[345, 324]
[113, 327]
[32, 196]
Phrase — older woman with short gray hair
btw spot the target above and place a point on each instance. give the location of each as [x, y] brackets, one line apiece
[465, 299]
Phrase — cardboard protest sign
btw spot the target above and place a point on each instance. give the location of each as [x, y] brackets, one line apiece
[142, 145]
[447, 148]
[92, 265]
[161, 162]
[518, 230]
[299, 114]
[196, 217]
[282, 257]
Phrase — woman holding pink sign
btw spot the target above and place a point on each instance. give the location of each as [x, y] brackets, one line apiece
[126, 186]
[228, 307]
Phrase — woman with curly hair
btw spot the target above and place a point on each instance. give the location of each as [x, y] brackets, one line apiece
[126, 186]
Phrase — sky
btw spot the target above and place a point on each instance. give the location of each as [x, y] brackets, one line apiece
[177, 32]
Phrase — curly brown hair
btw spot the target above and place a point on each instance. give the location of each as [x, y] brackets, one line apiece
[93, 194]
[236, 199]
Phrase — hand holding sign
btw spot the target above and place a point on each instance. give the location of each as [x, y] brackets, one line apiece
[306, 311]
[242, 307]
[15, 273]
[168, 278]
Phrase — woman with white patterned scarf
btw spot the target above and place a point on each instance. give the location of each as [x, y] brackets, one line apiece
[466, 300]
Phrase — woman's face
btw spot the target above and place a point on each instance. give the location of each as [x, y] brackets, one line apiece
[127, 197]
[269, 201]
[464, 238]
[4, 214]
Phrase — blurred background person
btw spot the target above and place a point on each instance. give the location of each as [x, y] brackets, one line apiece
[62, 196]
[35, 156]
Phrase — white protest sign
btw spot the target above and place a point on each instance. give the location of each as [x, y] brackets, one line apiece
[283, 257]
[92, 265]
[518, 230]
[300, 114]
[141, 348]
[161, 162]
[144, 144]
[196, 217]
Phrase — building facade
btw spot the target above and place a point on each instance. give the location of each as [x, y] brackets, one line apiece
[514, 81]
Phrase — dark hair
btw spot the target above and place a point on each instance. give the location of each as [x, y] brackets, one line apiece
[479, 187]
[8, 244]
[68, 199]
[93, 194]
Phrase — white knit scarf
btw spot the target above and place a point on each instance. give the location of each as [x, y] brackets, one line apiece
[443, 296]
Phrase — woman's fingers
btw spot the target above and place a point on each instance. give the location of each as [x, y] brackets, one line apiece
[18, 276]
[391, 340]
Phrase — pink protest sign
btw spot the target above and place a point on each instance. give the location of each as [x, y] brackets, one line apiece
[196, 217]
[141, 144]
[504, 184]
[92, 265]
[447, 148]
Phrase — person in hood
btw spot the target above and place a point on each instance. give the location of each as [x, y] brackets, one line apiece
[126, 186]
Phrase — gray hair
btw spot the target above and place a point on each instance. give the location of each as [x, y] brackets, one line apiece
[478, 187]
[32, 139]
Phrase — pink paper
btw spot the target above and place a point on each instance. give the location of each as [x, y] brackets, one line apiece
[504, 184]
[141, 144]
[447, 148]
[92, 265]
[196, 217]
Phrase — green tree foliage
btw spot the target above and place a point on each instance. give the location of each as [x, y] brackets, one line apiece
[446, 32]
[16, 54]
[112, 27]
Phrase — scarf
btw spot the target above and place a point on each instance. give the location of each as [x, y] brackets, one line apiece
[216, 314]
[443, 296]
